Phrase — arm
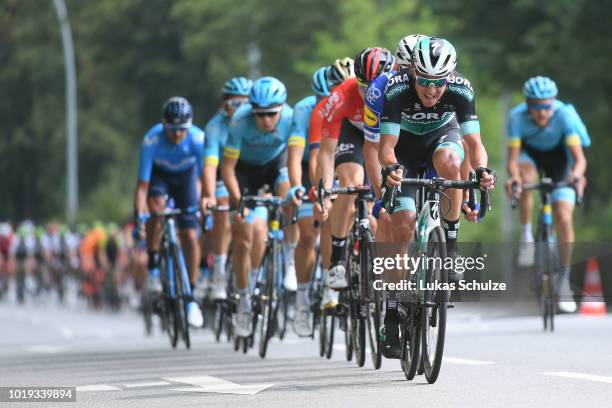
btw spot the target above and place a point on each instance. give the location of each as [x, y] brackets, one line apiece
[294, 164]
[228, 171]
[370, 153]
[312, 164]
[477, 152]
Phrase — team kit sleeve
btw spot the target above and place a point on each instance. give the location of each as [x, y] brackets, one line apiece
[232, 147]
[211, 145]
[316, 125]
[299, 123]
[147, 154]
[333, 115]
[391, 117]
[514, 135]
[571, 132]
[373, 106]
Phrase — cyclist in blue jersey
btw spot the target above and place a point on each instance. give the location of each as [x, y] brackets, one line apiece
[545, 137]
[255, 155]
[171, 160]
[302, 164]
[235, 93]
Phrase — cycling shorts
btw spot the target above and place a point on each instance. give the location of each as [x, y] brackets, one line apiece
[182, 187]
[553, 163]
[252, 177]
[350, 145]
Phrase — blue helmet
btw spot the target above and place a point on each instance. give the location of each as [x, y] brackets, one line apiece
[540, 88]
[267, 91]
[237, 86]
[177, 113]
[320, 82]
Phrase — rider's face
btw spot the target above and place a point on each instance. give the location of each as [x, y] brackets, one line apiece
[540, 111]
[176, 136]
[233, 102]
[266, 121]
[429, 95]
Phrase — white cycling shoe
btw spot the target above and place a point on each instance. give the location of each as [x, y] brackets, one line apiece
[336, 277]
[526, 255]
[194, 315]
[330, 299]
[566, 300]
[290, 279]
[242, 323]
[217, 289]
[301, 322]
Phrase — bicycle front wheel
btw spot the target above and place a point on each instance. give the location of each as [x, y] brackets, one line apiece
[180, 304]
[374, 302]
[268, 293]
[433, 311]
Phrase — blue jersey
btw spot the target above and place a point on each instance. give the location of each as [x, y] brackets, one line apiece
[374, 104]
[298, 135]
[169, 157]
[251, 145]
[216, 137]
[562, 128]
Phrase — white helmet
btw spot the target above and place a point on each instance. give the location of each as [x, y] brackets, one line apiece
[404, 49]
[434, 56]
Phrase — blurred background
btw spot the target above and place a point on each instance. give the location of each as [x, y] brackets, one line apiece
[132, 55]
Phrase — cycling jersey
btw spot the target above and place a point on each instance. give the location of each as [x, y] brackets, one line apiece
[216, 131]
[252, 145]
[404, 112]
[300, 124]
[343, 103]
[169, 157]
[561, 128]
[374, 104]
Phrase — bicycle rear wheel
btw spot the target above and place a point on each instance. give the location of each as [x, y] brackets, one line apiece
[356, 318]
[433, 312]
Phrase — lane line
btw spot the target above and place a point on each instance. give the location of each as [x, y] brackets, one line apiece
[97, 387]
[580, 376]
[465, 361]
[146, 384]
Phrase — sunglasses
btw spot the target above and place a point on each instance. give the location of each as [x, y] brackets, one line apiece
[540, 106]
[427, 82]
[268, 114]
[234, 103]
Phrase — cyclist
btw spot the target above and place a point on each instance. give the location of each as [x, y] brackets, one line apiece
[341, 70]
[235, 93]
[171, 160]
[6, 240]
[428, 108]
[255, 155]
[544, 136]
[343, 133]
[22, 250]
[300, 176]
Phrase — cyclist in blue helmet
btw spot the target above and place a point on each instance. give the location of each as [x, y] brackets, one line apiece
[235, 94]
[171, 161]
[545, 138]
[302, 165]
[255, 155]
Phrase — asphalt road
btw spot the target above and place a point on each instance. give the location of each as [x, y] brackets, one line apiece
[494, 357]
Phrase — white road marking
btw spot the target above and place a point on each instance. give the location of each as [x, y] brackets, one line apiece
[146, 384]
[97, 387]
[580, 376]
[209, 384]
[44, 348]
[465, 361]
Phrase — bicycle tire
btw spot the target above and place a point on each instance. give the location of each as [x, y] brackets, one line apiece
[167, 303]
[434, 314]
[267, 307]
[181, 305]
[374, 307]
[218, 320]
[411, 347]
[356, 318]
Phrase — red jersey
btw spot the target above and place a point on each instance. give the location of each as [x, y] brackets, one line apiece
[344, 102]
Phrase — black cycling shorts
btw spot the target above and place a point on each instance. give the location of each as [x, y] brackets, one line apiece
[252, 177]
[350, 145]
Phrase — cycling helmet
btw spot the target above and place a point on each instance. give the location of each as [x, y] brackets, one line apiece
[540, 88]
[404, 49]
[434, 56]
[372, 62]
[237, 86]
[177, 113]
[341, 70]
[267, 91]
[320, 83]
